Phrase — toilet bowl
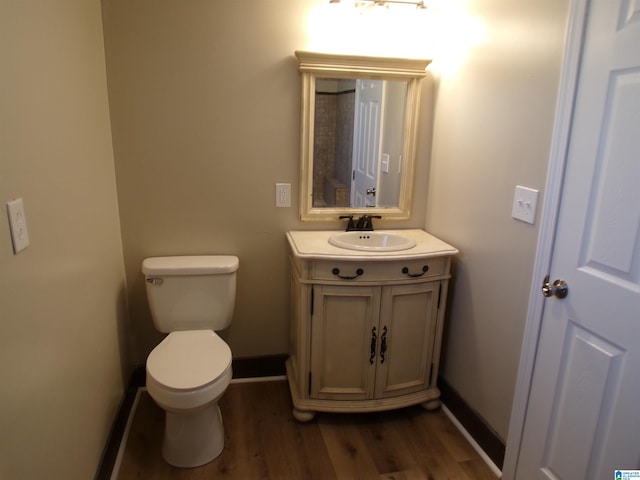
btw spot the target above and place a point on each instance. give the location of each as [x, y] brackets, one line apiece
[190, 369]
[187, 373]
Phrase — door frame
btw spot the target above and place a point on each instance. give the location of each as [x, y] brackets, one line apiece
[548, 221]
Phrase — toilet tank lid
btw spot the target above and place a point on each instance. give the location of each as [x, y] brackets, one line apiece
[190, 265]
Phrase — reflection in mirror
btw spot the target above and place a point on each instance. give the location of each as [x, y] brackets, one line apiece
[357, 150]
[358, 134]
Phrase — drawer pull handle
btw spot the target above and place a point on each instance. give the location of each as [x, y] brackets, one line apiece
[336, 271]
[425, 269]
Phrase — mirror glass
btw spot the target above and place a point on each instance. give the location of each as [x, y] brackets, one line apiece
[359, 118]
[358, 142]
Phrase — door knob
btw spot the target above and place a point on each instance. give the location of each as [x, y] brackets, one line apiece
[371, 191]
[559, 288]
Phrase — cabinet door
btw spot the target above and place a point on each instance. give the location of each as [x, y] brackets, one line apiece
[344, 341]
[407, 332]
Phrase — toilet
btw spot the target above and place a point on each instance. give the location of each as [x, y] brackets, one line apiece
[190, 298]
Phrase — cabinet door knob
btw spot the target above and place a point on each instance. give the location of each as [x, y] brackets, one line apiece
[383, 344]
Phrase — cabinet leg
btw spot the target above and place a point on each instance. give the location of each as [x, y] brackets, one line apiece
[431, 404]
[303, 415]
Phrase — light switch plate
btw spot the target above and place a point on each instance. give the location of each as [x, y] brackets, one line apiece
[384, 163]
[18, 225]
[525, 203]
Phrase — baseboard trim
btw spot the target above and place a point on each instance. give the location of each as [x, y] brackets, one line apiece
[257, 367]
[472, 442]
[486, 438]
[112, 446]
[122, 444]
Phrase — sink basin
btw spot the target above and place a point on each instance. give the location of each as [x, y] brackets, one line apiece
[371, 241]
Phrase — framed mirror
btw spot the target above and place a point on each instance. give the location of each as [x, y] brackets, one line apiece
[359, 124]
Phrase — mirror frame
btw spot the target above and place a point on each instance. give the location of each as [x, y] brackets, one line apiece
[313, 65]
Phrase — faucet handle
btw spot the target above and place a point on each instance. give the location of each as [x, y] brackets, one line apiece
[350, 225]
[365, 222]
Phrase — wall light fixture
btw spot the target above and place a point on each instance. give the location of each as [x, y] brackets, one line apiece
[419, 4]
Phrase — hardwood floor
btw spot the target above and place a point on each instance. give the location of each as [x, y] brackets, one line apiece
[263, 441]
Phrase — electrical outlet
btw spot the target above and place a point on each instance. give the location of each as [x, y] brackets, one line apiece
[525, 202]
[18, 225]
[283, 194]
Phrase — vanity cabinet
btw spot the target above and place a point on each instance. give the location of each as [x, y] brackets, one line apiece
[366, 330]
[372, 342]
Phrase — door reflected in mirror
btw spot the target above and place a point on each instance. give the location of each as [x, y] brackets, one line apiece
[358, 142]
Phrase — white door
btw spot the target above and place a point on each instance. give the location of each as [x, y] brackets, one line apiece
[366, 142]
[583, 415]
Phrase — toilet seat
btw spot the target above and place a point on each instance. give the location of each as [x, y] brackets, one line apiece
[188, 369]
[190, 359]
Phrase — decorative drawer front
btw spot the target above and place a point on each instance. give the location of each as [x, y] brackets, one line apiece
[349, 271]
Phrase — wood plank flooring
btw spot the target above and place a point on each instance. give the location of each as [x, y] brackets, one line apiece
[263, 441]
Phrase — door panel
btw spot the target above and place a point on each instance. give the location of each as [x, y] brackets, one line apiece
[612, 231]
[408, 326]
[589, 374]
[344, 321]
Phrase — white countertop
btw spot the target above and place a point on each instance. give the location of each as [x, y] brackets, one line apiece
[313, 244]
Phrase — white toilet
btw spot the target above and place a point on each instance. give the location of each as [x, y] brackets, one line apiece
[190, 297]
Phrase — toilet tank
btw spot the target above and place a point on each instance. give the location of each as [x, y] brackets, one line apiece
[191, 292]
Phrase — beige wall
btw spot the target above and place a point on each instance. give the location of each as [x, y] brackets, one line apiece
[62, 307]
[494, 119]
[205, 113]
